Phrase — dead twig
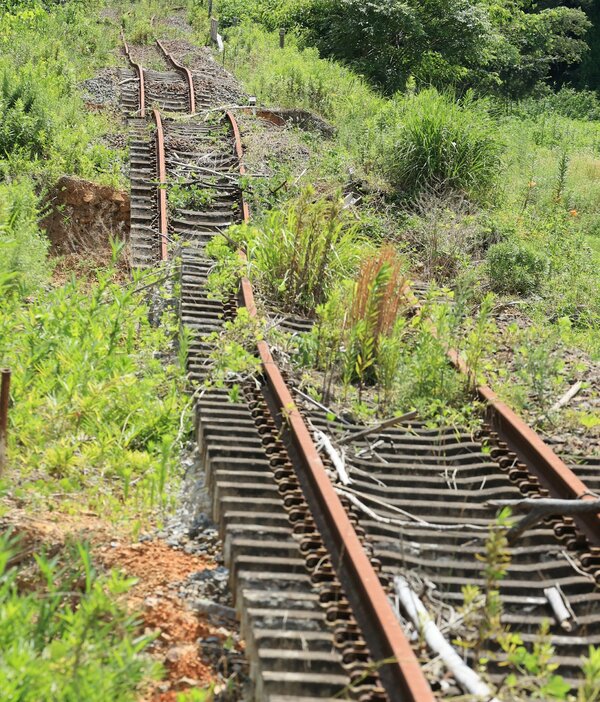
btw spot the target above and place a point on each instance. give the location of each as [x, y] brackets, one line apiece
[539, 509]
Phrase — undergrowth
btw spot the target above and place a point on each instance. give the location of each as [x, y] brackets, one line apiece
[68, 638]
[97, 416]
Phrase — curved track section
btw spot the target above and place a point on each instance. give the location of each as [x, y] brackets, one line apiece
[315, 564]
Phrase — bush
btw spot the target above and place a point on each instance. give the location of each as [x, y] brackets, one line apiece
[94, 411]
[273, 14]
[44, 127]
[431, 143]
[23, 245]
[567, 102]
[514, 267]
[25, 121]
[71, 641]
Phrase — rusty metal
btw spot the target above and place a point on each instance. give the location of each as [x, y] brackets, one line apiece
[162, 184]
[402, 675]
[140, 72]
[186, 72]
[4, 397]
[240, 154]
[551, 471]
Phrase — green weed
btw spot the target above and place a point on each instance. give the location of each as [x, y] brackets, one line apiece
[300, 252]
[94, 410]
[71, 626]
[431, 143]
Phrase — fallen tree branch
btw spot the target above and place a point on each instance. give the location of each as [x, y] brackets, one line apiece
[377, 427]
[567, 397]
[539, 509]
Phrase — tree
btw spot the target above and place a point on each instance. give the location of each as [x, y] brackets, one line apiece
[529, 43]
[503, 46]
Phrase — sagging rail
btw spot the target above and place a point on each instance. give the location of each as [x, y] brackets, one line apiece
[330, 521]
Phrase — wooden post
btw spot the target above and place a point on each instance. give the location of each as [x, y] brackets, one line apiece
[4, 394]
[281, 38]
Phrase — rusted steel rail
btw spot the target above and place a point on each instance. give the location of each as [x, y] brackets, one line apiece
[4, 398]
[163, 227]
[552, 472]
[140, 72]
[402, 675]
[183, 70]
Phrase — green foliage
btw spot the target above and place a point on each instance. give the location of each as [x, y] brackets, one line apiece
[514, 267]
[23, 246]
[26, 124]
[589, 690]
[388, 41]
[294, 77]
[407, 364]
[489, 45]
[272, 14]
[72, 640]
[44, 127]
[299, 253]
[189, 196]
[94, 410]
[224, 276]
[567, 102]
[537, 367]
[430, 143]
[233, 357]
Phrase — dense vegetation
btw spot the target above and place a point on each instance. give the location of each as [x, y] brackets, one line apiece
[68, 639]
[467, 137]
[487, 183]
[97, 411]
[505, 47]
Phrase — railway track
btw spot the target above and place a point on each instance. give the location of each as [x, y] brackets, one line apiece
[317, 562]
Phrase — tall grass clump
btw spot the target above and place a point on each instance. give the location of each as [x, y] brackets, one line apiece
[300, 252]
[431, 143]
[69, 639]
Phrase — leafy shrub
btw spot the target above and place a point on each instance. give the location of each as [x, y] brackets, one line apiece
[272, 14]
[44, 126]
[430, 143]
[25, 122]
[23, 246]
[71, 641]
[568, 102]
[94, 408]
[514, 267]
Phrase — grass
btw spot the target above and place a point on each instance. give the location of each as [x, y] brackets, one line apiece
[46, 130]
[532, 167]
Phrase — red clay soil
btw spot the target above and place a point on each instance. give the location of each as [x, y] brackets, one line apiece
[159, 569]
